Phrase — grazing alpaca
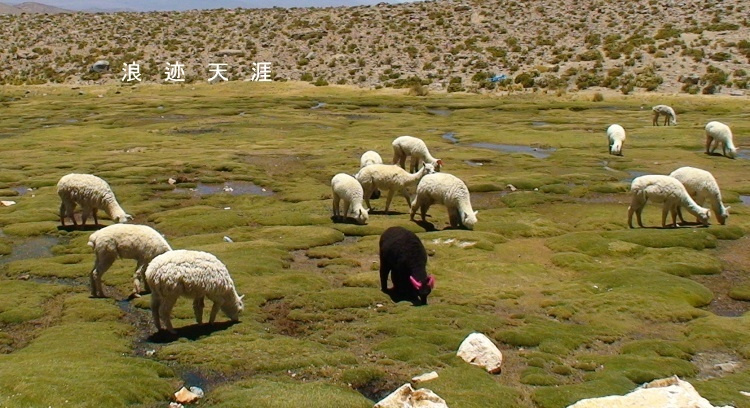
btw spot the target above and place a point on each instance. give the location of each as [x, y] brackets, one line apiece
[667, 112]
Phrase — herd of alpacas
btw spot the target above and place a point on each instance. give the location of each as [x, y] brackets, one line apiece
[169, 274]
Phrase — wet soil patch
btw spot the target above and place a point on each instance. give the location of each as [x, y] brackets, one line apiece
[39, 247]
[537, 152]
[633, 174]
[234, 188]
[715, 364]
[733, 255]
[277, 316]
[378, 389]
[20, 335]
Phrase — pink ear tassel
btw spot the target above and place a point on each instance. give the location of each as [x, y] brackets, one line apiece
[431, 282]
[415, 283]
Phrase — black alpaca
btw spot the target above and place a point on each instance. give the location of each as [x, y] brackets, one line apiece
[404, 257]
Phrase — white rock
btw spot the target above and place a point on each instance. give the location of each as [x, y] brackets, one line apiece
[227, 239]
[425, 377]
[406, 397]
[197, 391]
[511, 187]
[479, 350]
[171, 181]
[8, 203]
[663, 393]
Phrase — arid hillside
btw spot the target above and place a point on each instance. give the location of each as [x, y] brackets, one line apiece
[667, 46]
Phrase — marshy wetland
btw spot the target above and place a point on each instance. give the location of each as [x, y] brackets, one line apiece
[580, 305]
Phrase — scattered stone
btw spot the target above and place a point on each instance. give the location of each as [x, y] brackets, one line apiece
[227, 239]
[176, 405]
[406, 397]
[100, 66]
[150, 353]
[172, 181]
[511, 187]
[745, 393]
[24, 277]
[7, 203]
[479, 350]
[729, 367]
[185, 396]
[425, 377]
[662, 393]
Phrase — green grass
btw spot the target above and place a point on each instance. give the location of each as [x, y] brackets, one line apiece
[580, 305]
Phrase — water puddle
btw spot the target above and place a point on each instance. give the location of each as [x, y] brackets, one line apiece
[319, 105]
[39, 247]
[539, 123]
[234, 188]
[439, 112]
[744, 198]
[634, 174]
[71, 120]
[537, 152]
[473, 163]
[21, 190]
[451, 137]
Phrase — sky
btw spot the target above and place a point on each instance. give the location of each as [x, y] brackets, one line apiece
[162, 5]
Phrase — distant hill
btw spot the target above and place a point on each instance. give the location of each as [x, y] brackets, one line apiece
[8, 9]
[32, 8]
[700, 46]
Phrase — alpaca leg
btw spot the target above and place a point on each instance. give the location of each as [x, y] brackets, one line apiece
[679, 215]
[673, 212]
[414, 205]
[215, 309]
[62, 214]
[664, 211]
[85, 212]
[155, 306]
[655, 121]
[630, 216]
[367, 189]
[198, 309]
[165, 310]
[345, 213]
[101, 265]
[638, 213]
[423, 210]
[385, 269]
[388, 200]
[709, 139]
[336, 199]
[93, 212]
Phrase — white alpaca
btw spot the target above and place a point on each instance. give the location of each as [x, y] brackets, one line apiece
[347, 188]
[718, 133]
[450, 191]
[702, 186]
[91, 193]
[667, 190]
[616, 137]
[389, 177]
[192, 274]
[139, 242]
[370, 157]
[667, 112]
[404, 146]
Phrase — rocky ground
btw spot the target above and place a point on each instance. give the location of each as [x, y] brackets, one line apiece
[666, 46]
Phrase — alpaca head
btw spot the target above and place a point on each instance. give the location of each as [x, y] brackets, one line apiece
[423, 287]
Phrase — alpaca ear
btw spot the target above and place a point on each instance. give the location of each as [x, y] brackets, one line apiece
[440, 163]
[727, 208]
[241, 297]
[417, 285]
[476, 212]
